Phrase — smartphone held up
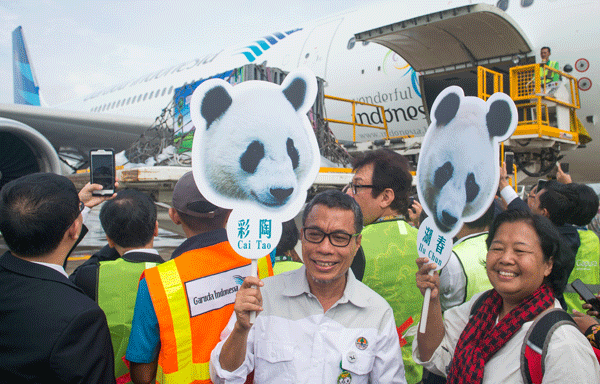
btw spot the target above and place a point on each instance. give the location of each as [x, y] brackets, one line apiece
[102, 171]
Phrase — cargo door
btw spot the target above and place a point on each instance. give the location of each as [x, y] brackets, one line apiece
[446, 47]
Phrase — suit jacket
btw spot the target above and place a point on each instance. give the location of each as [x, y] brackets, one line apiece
[50, 331]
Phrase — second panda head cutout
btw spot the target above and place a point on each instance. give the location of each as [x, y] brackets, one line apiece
[458, 167]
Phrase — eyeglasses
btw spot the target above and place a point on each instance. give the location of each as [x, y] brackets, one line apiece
[81, 206]
[337, 239]
[354, 187]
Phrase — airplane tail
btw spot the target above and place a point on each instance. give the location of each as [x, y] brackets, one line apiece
[25, 88]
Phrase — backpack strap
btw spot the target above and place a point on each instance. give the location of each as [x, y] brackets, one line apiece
[535, 347]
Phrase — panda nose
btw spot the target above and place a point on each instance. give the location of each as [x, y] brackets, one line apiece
[449, 220]
[280, 194]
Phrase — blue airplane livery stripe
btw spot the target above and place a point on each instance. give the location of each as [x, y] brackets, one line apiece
[271, 40]
[29, 98]
[253, 51]
[25, 69]
[263, 44]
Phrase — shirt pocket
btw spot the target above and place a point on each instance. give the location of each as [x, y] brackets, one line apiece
[274, 360]
[359, 364]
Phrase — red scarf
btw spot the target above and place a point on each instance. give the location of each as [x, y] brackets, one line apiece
[482, 338]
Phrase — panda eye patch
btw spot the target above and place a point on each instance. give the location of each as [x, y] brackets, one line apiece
[293, 153]
[252, 156]
[471, 187]
[443, 174]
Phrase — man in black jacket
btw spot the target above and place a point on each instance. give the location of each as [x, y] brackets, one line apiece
[50, 330]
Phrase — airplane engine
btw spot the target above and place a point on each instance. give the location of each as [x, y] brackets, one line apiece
[24, 150]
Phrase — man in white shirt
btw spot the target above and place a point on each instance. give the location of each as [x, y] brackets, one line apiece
[317, 324]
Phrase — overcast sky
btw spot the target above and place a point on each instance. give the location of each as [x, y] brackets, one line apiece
[80, 46]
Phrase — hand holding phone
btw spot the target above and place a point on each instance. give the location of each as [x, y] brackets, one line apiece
[102, 171]
[541, 185]
[587, 295]
[509, 159]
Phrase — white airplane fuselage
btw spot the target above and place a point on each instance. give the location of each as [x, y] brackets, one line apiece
[373, 73]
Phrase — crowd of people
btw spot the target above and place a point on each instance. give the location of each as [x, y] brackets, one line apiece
[343, 307]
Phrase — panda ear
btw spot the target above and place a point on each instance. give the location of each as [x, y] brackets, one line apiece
[296, 92]
[447, 108]
[214, 104]
[499, 118]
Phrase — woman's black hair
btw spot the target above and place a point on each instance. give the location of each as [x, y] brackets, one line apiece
[563, 259]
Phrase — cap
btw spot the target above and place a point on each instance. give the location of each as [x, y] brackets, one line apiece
[188, 199]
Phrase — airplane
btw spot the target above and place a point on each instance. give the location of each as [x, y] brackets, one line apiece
[396, 54]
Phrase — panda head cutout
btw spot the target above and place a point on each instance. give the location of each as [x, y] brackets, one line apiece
[253, 142]
[458, 166]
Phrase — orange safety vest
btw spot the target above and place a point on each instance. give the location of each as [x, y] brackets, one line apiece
[193, 298]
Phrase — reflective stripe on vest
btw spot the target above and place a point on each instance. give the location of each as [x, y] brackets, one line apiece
[586, 269]
[472, 253]
[117, 286]
[190, 292]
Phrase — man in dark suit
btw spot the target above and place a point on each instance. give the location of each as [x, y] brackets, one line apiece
[50, 330]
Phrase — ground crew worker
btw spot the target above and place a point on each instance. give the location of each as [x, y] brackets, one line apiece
[183, 305]
[130, 224]
[547, 75]
[586, 268]
[381, 186]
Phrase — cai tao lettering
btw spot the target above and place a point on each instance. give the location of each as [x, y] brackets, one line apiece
[210, 296]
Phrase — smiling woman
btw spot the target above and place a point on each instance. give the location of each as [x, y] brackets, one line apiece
[482, 340]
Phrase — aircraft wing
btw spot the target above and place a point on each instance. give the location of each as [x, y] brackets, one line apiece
[81, 130]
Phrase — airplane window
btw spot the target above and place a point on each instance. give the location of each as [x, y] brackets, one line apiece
[139, 98]
[150, 95]
[351, 43]
[502, 4]
[113, 104]
[170, 89]
[157, 93]
[118, 103]
[145, 95]
[163, 92]
[128, 100]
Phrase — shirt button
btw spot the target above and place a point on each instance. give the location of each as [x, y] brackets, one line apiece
[351, 357]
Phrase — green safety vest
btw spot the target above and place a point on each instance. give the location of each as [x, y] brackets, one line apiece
[390, 249]
[285, 266]
[543, 71]
[586, 269]
[472, 253]
[117, 289]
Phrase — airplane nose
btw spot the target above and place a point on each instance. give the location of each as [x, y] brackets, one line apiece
[281, 194]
